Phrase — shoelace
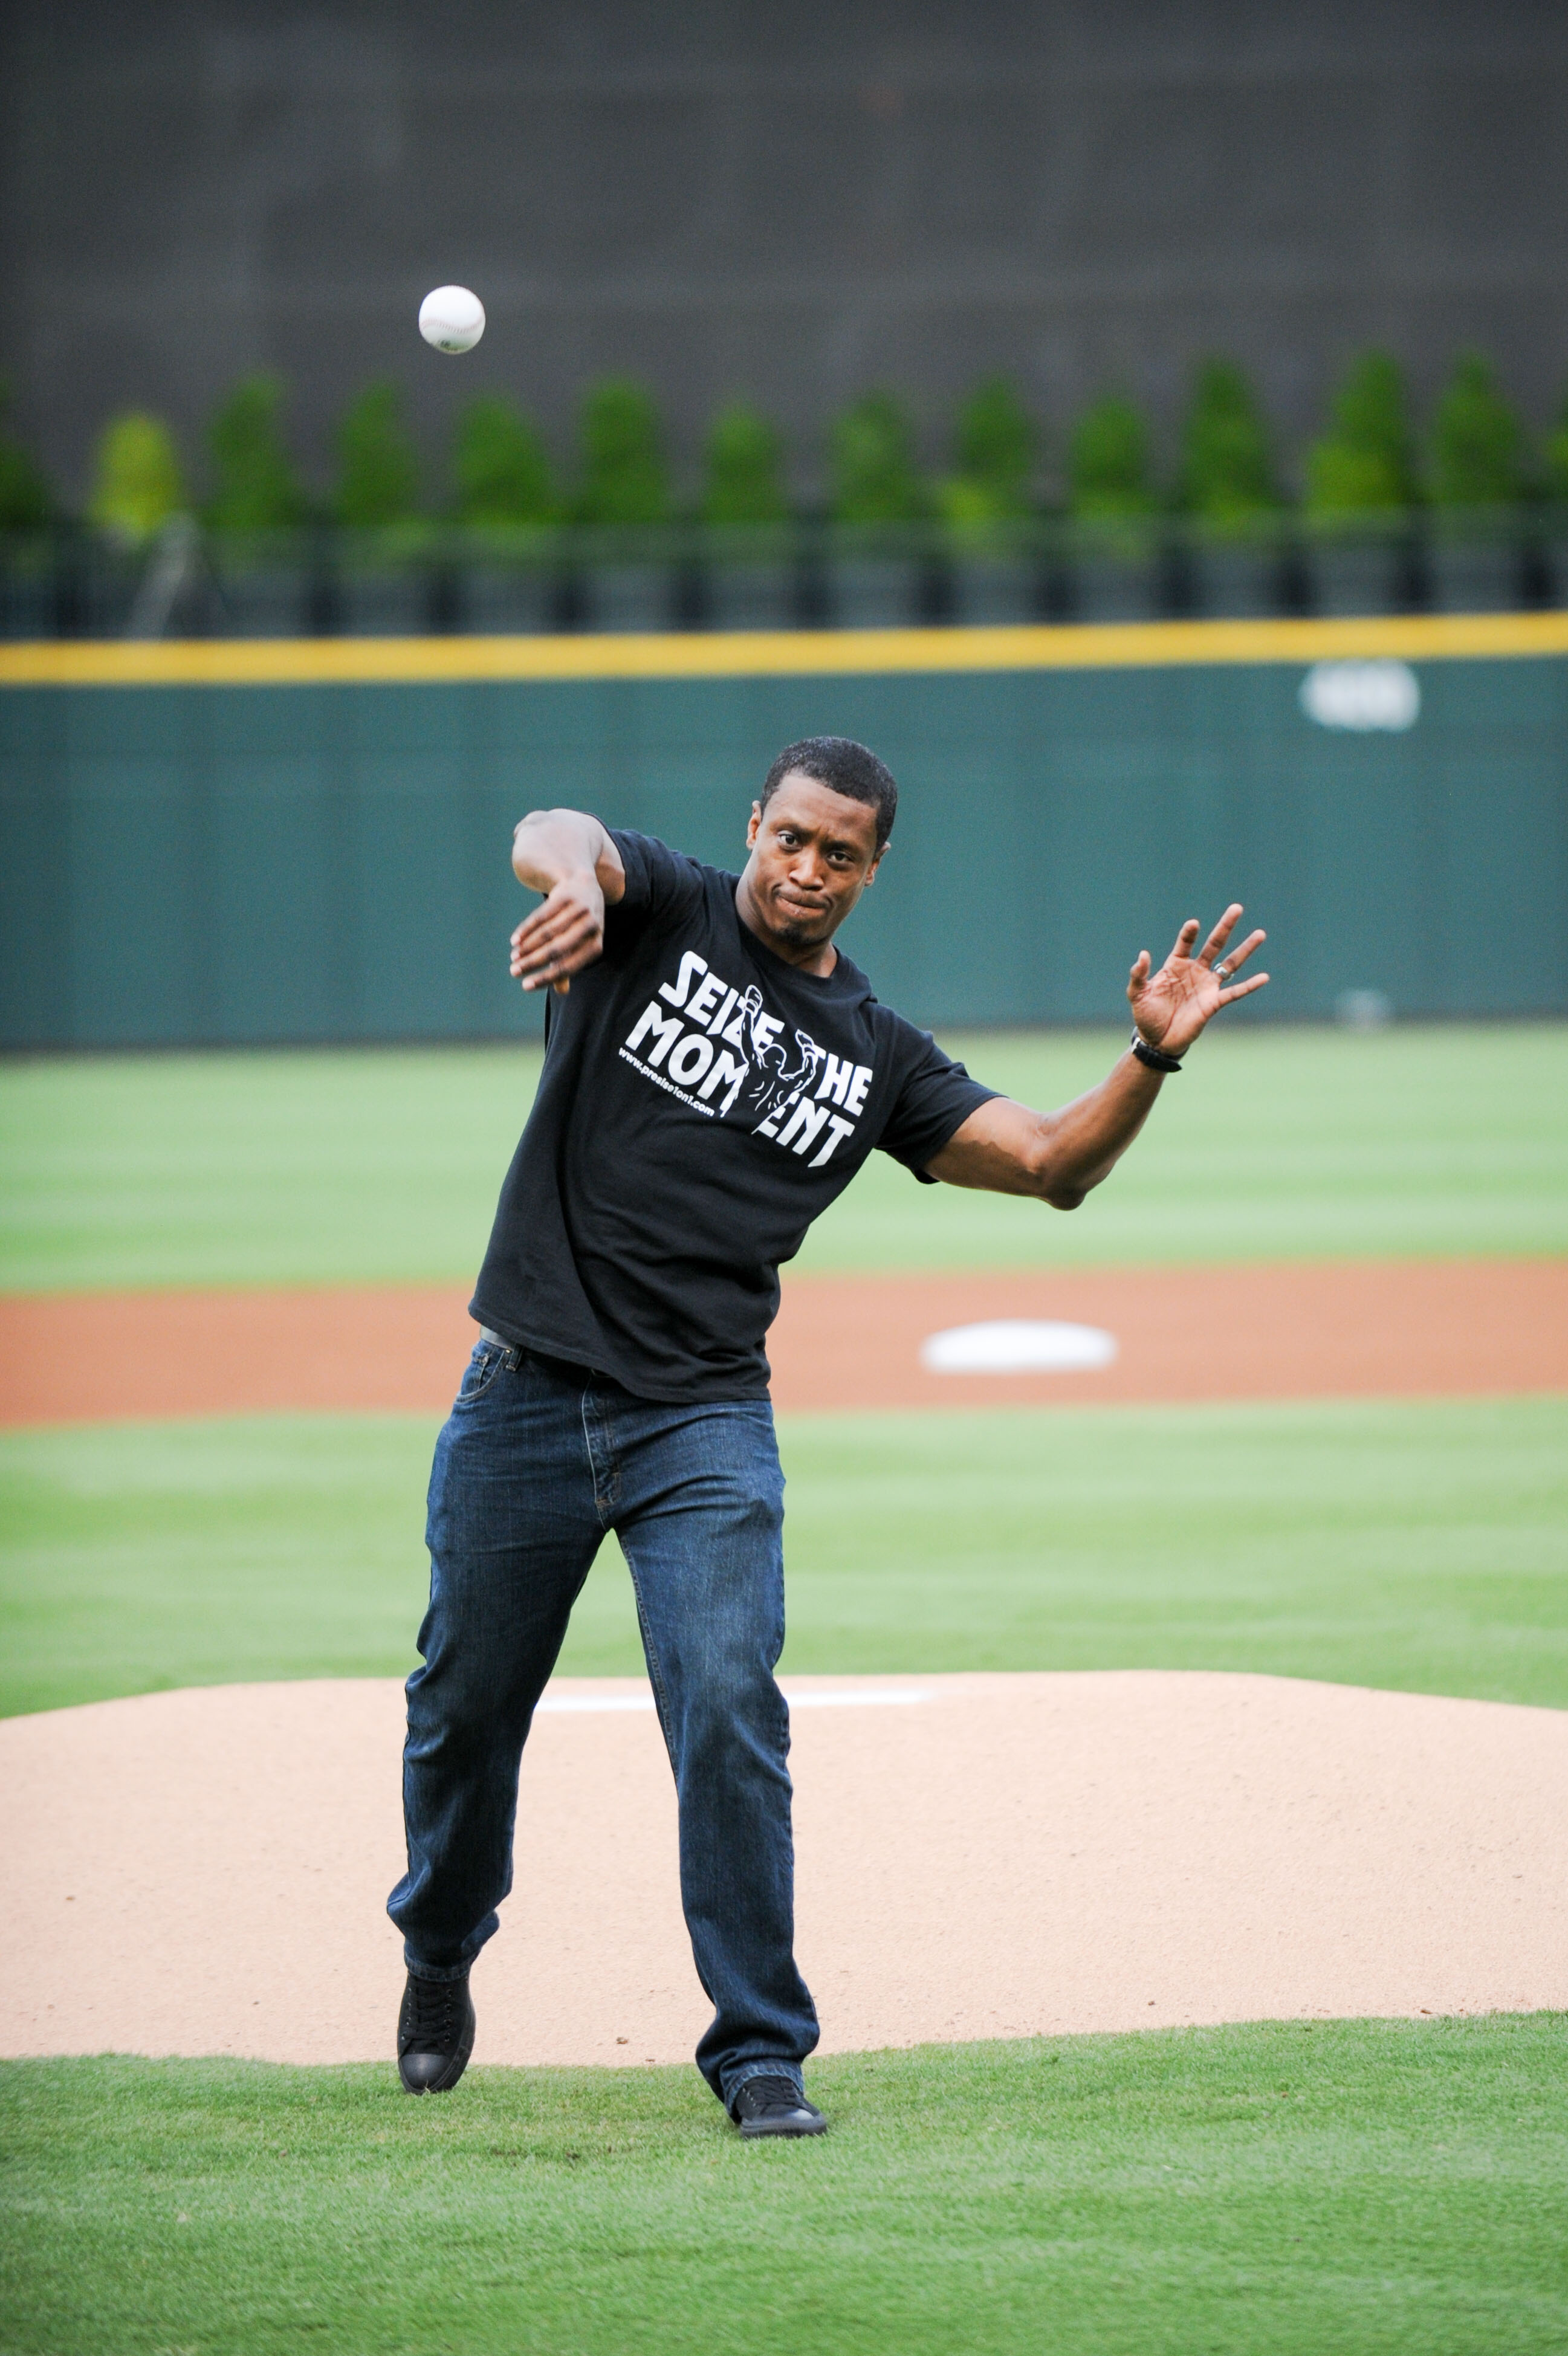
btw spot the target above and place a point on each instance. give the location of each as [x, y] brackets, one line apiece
[432, 2015]
[771, 2094]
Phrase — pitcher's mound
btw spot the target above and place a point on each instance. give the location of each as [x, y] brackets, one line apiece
[204, 1872]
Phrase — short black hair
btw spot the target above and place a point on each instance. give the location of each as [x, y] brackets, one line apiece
[848, 768]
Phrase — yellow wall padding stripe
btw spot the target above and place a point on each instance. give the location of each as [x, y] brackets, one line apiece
[760, 654]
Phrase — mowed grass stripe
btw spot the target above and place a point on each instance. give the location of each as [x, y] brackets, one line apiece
[1374, 2186]
[382, 1167]
[1407, 1545]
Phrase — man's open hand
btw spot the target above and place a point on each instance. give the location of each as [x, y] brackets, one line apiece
[565, 933]
[1171, 1007]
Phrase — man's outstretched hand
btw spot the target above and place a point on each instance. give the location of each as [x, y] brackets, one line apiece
[565, 933]
[1171, 1007]
[568, 855]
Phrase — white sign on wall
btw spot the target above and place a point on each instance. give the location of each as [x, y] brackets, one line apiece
[1361, 695]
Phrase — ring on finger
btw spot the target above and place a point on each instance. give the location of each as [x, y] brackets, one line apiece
[1222, 973]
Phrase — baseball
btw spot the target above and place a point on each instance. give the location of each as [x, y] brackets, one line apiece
[452, 319]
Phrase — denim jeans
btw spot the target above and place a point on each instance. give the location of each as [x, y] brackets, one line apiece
[536, 1463]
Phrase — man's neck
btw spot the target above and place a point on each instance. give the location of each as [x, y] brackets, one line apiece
[818, 958]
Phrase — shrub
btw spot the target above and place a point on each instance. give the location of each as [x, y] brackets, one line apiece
[872, 463]
[258, 489]
[1366, 462]
[1108, 463]
[996, 446]
[1227, 473]
[378, 472]
[745, 461]
[623, 478]
[1477, 443]
[137, 483]
[502, 472]
[26, 502]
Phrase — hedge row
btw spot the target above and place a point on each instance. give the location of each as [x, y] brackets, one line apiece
[1474, 452]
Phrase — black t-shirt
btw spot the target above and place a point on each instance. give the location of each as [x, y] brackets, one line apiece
[700, 1103]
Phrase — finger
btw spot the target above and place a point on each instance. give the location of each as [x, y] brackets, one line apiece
[1220, 935]
[535, 972]
[1140, 973]
[560, 940]
[1243, 989]
[549, 920]
[569, 959]
[1185, 938]
[557, 969]
[1234, 959]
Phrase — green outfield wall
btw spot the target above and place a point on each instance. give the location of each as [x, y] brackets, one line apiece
[211, 844]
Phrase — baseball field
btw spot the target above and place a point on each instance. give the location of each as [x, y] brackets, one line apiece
[1237, 1669]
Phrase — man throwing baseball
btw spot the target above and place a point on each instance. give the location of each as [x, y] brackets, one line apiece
[716, 1072]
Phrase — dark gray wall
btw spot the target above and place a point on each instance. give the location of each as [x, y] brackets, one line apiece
[788, 201]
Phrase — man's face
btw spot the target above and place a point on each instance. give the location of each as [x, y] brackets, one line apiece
[812, 854]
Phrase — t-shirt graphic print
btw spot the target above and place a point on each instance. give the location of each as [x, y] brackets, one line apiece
[702, 1102]
[722, 1042]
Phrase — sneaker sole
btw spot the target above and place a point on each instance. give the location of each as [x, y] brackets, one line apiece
[753, 2130]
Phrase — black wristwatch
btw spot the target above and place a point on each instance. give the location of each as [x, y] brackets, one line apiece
[1155, 1057]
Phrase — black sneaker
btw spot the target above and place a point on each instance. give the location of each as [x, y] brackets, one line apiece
[435, 2034]
[775, 2106]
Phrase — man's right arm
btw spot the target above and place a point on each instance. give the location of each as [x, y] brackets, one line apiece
[571, 858]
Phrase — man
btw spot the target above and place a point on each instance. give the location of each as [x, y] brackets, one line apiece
[715, 1073]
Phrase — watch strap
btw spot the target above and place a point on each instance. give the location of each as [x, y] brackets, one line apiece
[1155, 1057]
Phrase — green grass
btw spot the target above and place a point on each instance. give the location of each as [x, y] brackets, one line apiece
[1406, 1545]
[1356, 2187]
[318, 1167]
[1359, 2188]
[383, 1167]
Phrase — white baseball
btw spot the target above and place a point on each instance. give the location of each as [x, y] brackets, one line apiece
[452, 319]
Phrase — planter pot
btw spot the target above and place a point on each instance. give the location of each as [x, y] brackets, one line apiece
[1555, 553]
[995, 591]
[1112, 576]
[261, 593]
[1243, 582]
[27, 596]
[1476, 576]
[751, 597]
[508, 599]
[107, 583]
[1104, 570]
[875, 593]
[384, 581]
[636, 598]
[1352, 576]
[383, 604]
[496, 580]
[749, 576]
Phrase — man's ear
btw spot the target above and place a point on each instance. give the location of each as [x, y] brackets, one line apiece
[756, 823]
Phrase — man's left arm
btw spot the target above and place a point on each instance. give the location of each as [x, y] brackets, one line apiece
[1058, 1156]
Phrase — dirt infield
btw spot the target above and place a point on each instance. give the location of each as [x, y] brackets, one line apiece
[992, 1855]
[1299, 1330]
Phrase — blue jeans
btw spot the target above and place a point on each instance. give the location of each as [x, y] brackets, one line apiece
[536, 1463]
